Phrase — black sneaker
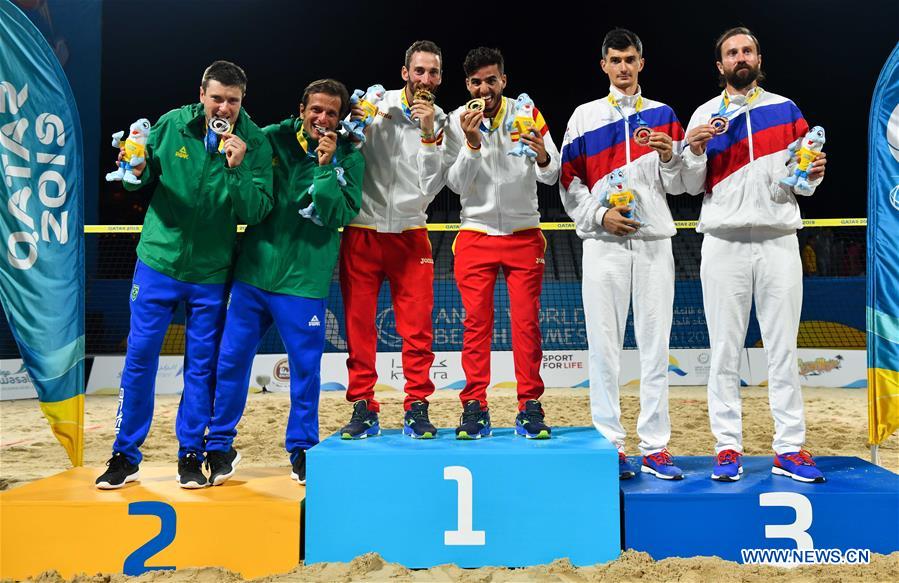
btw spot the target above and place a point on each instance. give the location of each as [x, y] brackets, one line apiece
[530, 422]
[363, 423]
[298, 470]
[190, 472]
[475, 422]
[416, 423]
[221, 465]
[120, 472]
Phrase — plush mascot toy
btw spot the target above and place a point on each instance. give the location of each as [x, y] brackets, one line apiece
[368, 101]
[522, 123]
[619, 194]
[135, 149]
[804, 152]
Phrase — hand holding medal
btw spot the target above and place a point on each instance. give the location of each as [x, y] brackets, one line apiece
[422, 110]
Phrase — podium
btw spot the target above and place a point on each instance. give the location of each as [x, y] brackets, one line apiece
[250, 525]
[502, 500]
[857, 508]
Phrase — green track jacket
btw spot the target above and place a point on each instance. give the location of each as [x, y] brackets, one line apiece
[190, 229]
[286, 253]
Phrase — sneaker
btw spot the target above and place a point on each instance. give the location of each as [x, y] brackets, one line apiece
[363, 423]
[221, 465]
[298, 469]
[625, 469]
[728, 466]
[661, 466]
[416, 423]
[190, 472]
[474, 423]
[798, 465]
[120, 472]
[530, 422]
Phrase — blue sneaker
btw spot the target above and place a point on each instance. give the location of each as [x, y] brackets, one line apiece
[625, 469]
[363, 423]
[475, 422]
[661, 466]
[529, 422]
[728, 466]
[416, 423]
[798, 465]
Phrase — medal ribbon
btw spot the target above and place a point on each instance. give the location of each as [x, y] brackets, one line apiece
[496, 120]
[638, 105]
[754, 94]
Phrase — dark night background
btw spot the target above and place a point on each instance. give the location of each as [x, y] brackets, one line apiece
[825, 56]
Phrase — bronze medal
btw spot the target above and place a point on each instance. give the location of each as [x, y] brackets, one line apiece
[641, 135]
[720, 123]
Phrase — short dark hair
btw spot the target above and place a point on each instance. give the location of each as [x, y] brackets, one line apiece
[620, 39]
[423, 46]
[482, 57]
[734, 32]
[329, 87]
[737, 30]
[226, 73]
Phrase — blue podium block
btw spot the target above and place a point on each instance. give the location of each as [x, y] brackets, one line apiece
[857, 508]
[502, 500]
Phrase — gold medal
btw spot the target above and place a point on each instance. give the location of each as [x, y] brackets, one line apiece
[424, 95]
[220, 125]
[720, 123]
[641, 135]
[476, 104]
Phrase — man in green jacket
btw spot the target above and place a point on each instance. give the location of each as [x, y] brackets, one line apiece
[284, 272]
[210, 169]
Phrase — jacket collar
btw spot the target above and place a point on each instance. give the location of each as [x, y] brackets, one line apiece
[625, 100]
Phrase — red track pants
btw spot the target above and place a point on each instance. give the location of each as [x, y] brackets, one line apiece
[366, 258]
[479, 257]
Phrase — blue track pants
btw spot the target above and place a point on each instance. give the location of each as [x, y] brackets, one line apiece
[301, 322]
[154, 298]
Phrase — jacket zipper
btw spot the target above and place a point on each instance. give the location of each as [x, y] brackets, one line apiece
[197, 209]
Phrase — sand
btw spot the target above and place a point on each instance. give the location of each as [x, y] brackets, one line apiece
[836, 418]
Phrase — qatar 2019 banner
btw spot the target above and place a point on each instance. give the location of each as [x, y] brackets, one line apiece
[883, 255]
[42, 224]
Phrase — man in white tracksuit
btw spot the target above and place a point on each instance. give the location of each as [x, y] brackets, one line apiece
[627, 143]
[737, 155]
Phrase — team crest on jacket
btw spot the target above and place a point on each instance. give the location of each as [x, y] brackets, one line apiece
[134, 289]
[315, 321]
[182, 153]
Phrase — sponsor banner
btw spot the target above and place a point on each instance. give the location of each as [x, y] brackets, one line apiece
[560, 369]
[818, 367]
[15, 382]
[106, 375]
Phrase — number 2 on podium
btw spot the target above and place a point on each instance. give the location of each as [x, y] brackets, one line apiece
[463, 535]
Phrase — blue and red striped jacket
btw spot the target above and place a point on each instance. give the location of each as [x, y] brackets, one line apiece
[741, 169]
[599, 140]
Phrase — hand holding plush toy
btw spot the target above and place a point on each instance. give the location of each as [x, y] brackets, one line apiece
[619, 194]
[368, 102]
[804, 152]
[134, 150]
[522, 123]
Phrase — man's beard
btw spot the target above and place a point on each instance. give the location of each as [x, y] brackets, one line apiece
[740, 81]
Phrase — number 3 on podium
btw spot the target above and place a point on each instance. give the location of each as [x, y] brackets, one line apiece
[463, 535]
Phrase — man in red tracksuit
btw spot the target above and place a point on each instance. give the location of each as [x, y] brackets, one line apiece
[500, 231]
[389, 240]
